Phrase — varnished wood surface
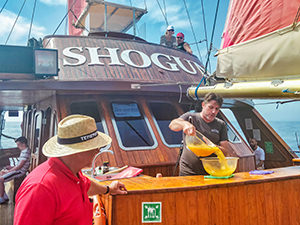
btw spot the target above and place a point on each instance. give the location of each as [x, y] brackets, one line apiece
[162, 159]
[166, 184]
[106, 72]
[242, 200]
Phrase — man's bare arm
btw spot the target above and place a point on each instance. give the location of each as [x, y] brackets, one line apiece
[182, 125]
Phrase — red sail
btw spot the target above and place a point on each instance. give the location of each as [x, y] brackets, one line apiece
[75, 9]
[248, 19]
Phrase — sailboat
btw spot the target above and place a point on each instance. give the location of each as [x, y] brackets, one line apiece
[133, 89]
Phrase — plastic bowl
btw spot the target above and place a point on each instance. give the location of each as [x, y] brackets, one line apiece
[213, 166]
[200, 145]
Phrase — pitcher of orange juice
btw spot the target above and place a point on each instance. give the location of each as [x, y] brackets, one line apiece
[200, 145]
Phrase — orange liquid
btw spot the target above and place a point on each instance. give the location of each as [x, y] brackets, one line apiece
[203, 150]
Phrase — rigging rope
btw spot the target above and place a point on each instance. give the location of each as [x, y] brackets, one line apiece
[3, 6]
[296, 18]
[212, 36]
[210, 48]
[31, 20]
[205, 30]
[187, 12]
[61, 22]
[165, 8]
[278, 102]
[78, 20]
[163, 13]
[15, 22]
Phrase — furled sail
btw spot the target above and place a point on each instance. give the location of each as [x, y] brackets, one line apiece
[260, 41]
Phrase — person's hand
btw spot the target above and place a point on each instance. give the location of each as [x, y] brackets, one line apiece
[4, 171]
[189, 129]
[117, 188]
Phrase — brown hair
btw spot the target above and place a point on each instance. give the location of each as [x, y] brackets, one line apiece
[212, 96]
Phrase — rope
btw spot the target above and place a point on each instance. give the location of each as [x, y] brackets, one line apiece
[67, 20]
[187, 12]
[180, 93]
[296, 18]
[212, 37]
[15, 22]
[61, 21]
[31, 19]
[203, 79]
[210, 48]
[278, 102]
[78, 20]
[162, 13]
[3, 6]
[205, 31]
[165, 9]
[4, 135]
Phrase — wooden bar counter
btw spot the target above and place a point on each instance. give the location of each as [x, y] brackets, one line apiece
[244, 199]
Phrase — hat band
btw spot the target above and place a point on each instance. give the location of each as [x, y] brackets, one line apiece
[74, 140]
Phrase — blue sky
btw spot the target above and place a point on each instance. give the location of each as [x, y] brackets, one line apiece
[49, 14]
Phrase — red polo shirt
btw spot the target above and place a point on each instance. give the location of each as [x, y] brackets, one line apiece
[51, 194]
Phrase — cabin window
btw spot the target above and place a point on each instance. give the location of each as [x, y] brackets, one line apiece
[90, 109]
[132, 128]
[37, 131]
[163, 113]
[232, 136]
[11, 129]
[53, 125]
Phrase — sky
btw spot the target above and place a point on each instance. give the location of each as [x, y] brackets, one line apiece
[49, 13]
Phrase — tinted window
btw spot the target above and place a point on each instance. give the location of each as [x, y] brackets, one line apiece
[131, 125]
[163, 114]
[88, 109]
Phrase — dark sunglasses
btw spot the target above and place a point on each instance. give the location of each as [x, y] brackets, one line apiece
[179, 37]
[171, 30]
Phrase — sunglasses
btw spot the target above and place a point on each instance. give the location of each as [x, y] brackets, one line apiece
[171, 30]
[179, 37]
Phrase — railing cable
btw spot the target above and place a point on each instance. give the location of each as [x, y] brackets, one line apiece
[15, 22]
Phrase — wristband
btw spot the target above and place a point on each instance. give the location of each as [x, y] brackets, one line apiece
[107, 190]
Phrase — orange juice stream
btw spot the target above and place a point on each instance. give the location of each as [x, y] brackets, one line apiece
[205, 150]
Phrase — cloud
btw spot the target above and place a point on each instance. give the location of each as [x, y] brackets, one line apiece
[20, 31]
[55, 2]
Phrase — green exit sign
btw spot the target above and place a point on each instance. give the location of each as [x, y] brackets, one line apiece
[151, 212]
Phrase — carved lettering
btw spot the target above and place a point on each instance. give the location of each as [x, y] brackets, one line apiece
[112, 54]
[125, 55]
[177, 59]
[155, 60]
[68, 53]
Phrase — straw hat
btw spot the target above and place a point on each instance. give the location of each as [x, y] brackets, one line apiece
[75, 134]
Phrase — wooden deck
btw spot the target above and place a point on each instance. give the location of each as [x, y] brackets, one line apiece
[7, 209]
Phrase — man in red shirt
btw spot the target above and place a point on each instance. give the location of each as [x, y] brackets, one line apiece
[56, 192]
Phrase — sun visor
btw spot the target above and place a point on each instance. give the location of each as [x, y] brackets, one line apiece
[99, 16]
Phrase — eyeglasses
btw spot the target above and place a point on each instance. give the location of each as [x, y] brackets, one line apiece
[179, 37]
[171, 30]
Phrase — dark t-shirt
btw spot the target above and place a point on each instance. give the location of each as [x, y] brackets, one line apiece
[216, 131]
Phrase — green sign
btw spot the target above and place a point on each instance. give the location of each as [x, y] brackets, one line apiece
[269, 147]
[151, 212]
